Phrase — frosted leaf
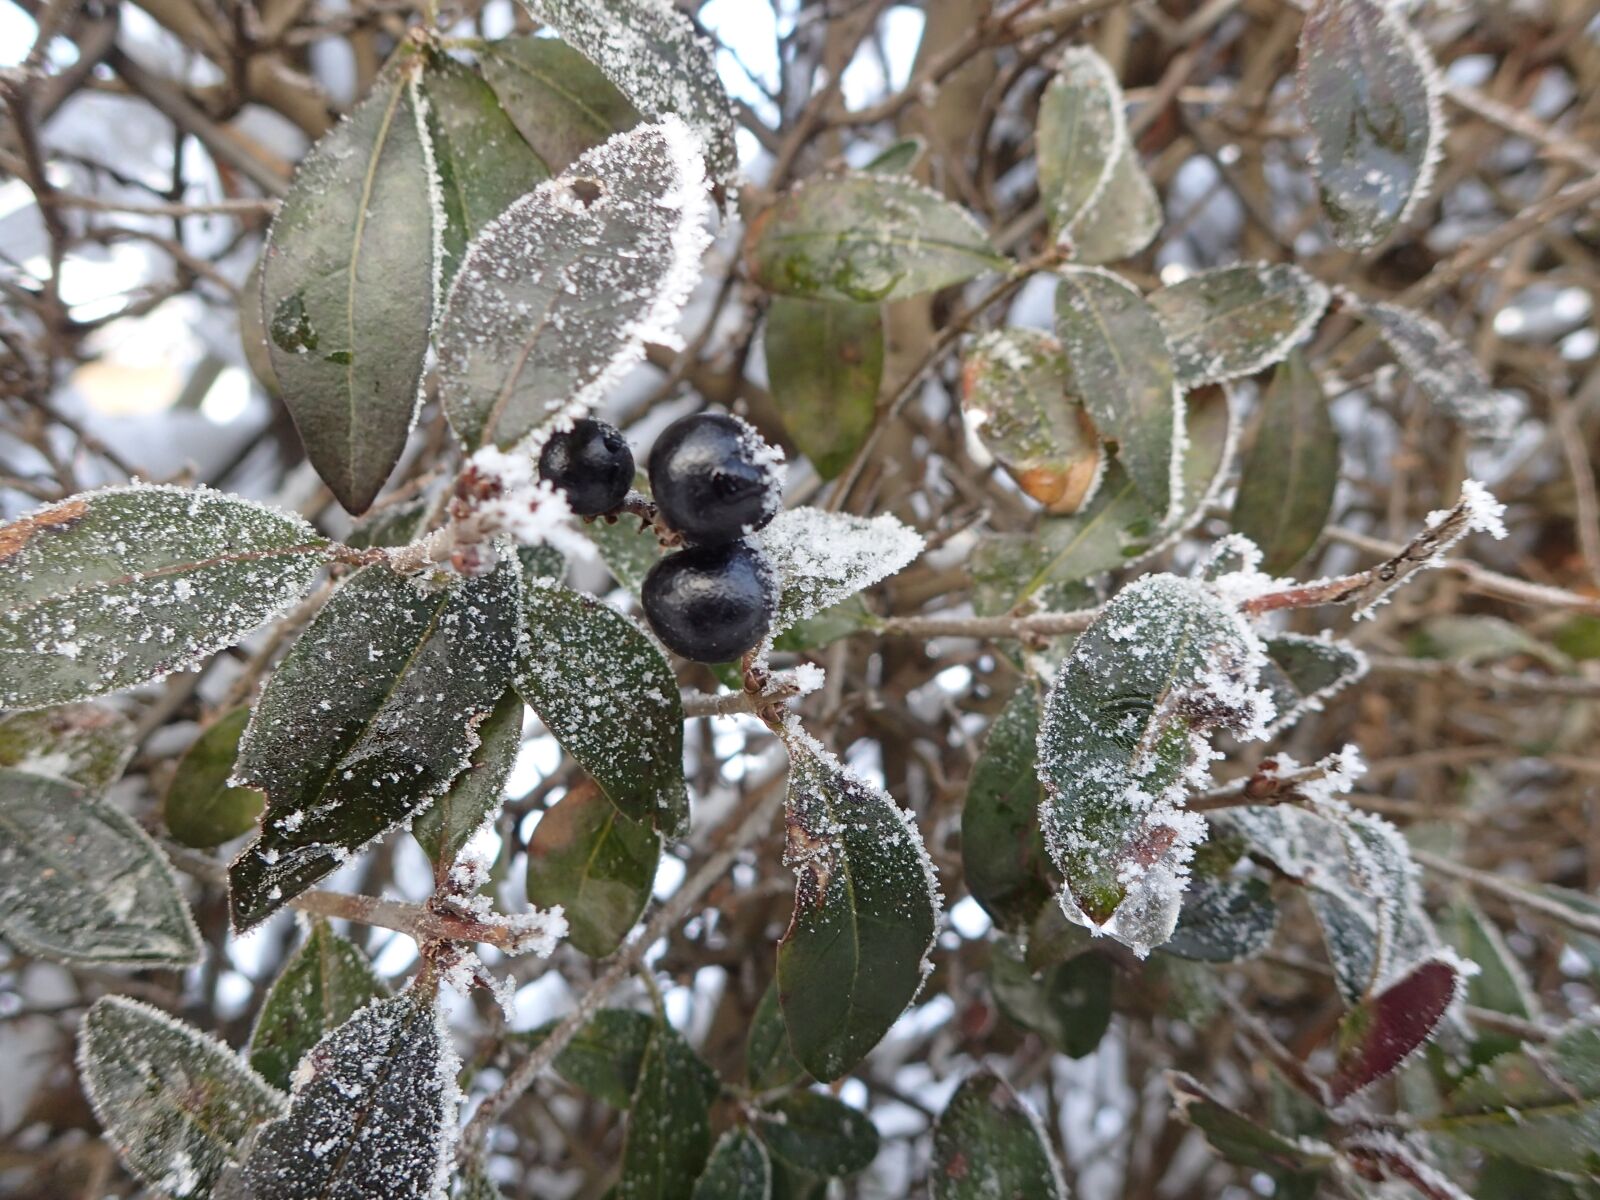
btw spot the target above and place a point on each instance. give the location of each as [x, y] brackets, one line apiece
[821, 558]
[85, 744]
[391, 525]
[372, 713]
[113, 588]
[1302, 673]
[604, 691]
[1224, 919]
[865, 911]
[1359, 874]
[325, 982]
[1124, 738]
[1115, 528]
[373, 1113]
[1443, 368]
[557, 297]
[560, 102]
[1122, 369]
[201, 808]
[1081, 134]
[1370, 94]
[1234, 321]
[1388, 1026]
[1124, 218]
[654, 56]
[1014, 394]
[176, 1104]
[349, 286]
[81, 882]
[989, 1143]
[867, 238]
[739, 1169]
[1288, 480]
[445, 826]
[1378, 1154]
[669, 1121]
[816, 1132]
[595, 864]
[604, 1057]
[479, 161]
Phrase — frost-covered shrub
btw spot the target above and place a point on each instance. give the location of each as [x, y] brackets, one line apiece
[851, 932]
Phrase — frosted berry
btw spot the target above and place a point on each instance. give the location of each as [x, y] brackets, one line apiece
[714, 478]
[591, 463]
[710, 603]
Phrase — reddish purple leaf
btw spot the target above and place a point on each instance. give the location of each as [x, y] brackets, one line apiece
[1381, 1032]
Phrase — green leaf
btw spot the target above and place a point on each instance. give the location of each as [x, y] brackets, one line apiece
[560, 102]
[605, 1056]
[825, 363]
[1224, 920]
[80, 882]
[1302, 672]
[669, 1121]
[372, 714]
[1124, 218]
[113, 588]
[1068, 1004]
[326, 981]
[176, 1104]
[1540, 1108]
[899, 158]
[988, 1143]
[1119, 364]
[597, 864]
[1500, 985]
[1115, 528]
[391, 525]
[739, 1169]
[1288, 479]
[557, 297]
[445, 826]
[627, 546]
[1240, 1140]
[85, 744]
[1014, 391]
[1442, 368]
[1081, 134]
[1370, 95]
[373, 1111]
[200, 808]
[865, 912]
[769, 1063]
[654, 56]
[1475, 638]
[603, 690]
[1387, 1027]
[1118, 742]
[1235, 321]
[867, 238]
[481, 162]
[1003, 858]
[349, 287]
[850, 615]
[821, 559]
[818, 1133]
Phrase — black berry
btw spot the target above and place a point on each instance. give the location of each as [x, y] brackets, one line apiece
[591, 463]
[714, 478]
[710, 603]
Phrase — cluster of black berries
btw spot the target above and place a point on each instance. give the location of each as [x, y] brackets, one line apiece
[714, 480]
